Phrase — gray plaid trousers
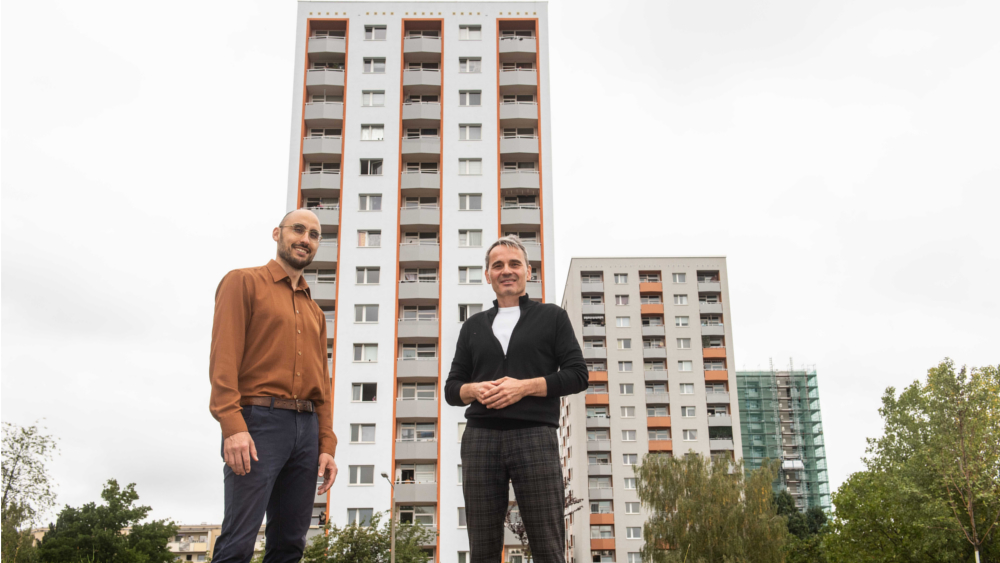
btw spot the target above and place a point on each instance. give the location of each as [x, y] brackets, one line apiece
[529, 459]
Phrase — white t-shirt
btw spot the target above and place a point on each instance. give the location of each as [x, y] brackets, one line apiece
[504, 323]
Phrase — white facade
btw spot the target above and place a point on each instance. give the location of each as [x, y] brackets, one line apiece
[334, 34]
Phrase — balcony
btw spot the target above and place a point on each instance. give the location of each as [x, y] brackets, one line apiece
[598, 445]
[713, 330]
[416, 451]
[527, 217]
[726, 444]
[320, 184]
[420, 216]
[321, 149]
[420, 181]
[650, 287]
[593, 309]
[519, 180]
[596, 399]
[324, 49]
[419, 290]
[720, 420]
[717, 397]
[326, 255]
[657, 422]
[599, 470]
[325, 81]
[594, 331]
[533, 288]
[661, 446]
[518, 114]
[653, 330]
[327, 215]
[595, 353]
[423, 147]
[597, 376]
[331, 327]
[713, 353]
[416, 368]
[602, 544]
[600, 494]
[519, 147]
[655, 375]
[421, 114]
[417, 330]
[592, 287]
[534, 251]
[598, 422]
[709, 307]
[517, 49]
[654, 353]
[428, 253]
[713, 286]
[716, 375]
[417, 410]
[324, 114]
[651, 308]
[425, 49]
[657, 398]
[422, 81]
[410, 493]
[323, 292]
[518, 81]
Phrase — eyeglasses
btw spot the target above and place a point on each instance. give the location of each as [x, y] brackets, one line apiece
[301, 229]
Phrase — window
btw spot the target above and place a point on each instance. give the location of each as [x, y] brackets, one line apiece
[601, 507]
[417, 391]
[366, 352]
[326, 99]
[366, 313]
[687, 412]
[460, 478]
[649, 277]
[371, 166]
[624, 366]
[591, 277]
[652, 321]
[624, 343]
[470, 64]
[621, 278]
[374, 33]
[362, 474]
[633, 557]
[711, 320]
[657, 411]
[363, 392]
[599, 483]
[372, 132]
[461, 430]
[370, 238]
[628, 412]
[681, 321]
[320, 276]
[416, 432]
[373, 98]
[470, 166]
[470, 33]
[680, 278]
[623, 322]
[687, 388]
[417, 351]
[626, 388]
[367, 276]
[597, 412]
[690, 435]
[680, 299]
[715, 365]
[684, 343]
[462, 523]
[630, 459]
[362, 433]
[630, 483]
[653, 365]
[359, 516]
[418, 313]
[466, 311]
[591, 299]
[590, 343]
[628, 435]
[327, 133]
[684, 365]
[410, 473]
[470, 274]
[470, 132]
[605, 531]
[470, 238]
[423, 515]
[658, 434]
[374, 66]
[633, 533]
[470, 98]
[470, 202]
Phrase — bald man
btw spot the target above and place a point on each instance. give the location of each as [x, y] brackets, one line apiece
[271, 396]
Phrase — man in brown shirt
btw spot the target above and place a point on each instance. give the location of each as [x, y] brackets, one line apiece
[271, 395]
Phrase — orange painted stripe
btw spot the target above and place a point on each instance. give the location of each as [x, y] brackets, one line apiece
[399, 236]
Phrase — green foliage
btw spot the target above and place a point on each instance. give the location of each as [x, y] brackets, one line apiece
[708, 512]
[806, 530]
[369, 544]
[27, 489]
[98, 533]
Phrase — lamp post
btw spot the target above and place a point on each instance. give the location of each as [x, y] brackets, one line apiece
[392, 521]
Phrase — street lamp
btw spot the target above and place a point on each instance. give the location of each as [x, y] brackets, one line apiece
[392, 521]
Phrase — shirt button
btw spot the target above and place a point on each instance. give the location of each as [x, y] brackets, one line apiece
[296, 311]
[299, 331]
[295, 396]
[297, 374]
[300, 352]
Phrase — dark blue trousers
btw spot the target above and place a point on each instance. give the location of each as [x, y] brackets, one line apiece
[281, 484]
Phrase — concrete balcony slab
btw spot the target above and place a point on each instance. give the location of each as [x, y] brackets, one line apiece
[412, 493]
[416, 451]
[416, 410]
[416, 369]
[418, 290]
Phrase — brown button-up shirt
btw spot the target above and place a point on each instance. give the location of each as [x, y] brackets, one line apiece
[268, 340]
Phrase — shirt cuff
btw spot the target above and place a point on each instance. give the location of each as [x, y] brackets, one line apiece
[553, 385]
[232, 424]
[328, 446]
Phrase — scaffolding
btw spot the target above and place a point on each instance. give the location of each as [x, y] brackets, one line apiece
[780, 420]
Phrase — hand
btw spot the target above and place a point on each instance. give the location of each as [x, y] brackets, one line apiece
[328, 471]
[237, 451]
[477, 391]
[508, 391]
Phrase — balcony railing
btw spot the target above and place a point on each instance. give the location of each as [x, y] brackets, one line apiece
[434, 318]
[519, 136]
[337, 172]
[419, 243]
[434, 359]
[416, 440]
[520, 206]
[516, 103]
[421, 206]
[417, 34]
[420, 172]
[418, 137]
[326, 70]
[323, 208]
[435, 280]
[322, 137]
[520, 171]
[421, 103]
[421, 70]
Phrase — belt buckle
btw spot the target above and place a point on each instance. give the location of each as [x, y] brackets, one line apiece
[298, 407]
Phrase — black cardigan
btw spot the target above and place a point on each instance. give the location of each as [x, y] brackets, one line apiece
[542, 344]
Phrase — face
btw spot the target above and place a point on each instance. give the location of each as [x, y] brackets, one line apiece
[508, 272]
[298, 250]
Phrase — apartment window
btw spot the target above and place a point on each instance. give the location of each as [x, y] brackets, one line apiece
[711, 320]
[359, 516]
[628, 435]
[374, 66]
[621, 299]
[657, 411]
[461, 430]
[591, 299]
[470, 33]
[633, 533]
[417, 391]
[418, 313]
[601, 507]
[680, 299]
[630, 483]
[591, 277]
[470, 167]
[410, 473]
[417, 351]
[363, 392]
[687, 412]
[466, 311]
[470, 238]
[470, 202]
[416, 432]
[367, 276]
[690, 435]
[658, 434]
[597, 389]
[321, 133]
[366, 352]
[470, 274]
[653, 365]
[715, 365]
[374, 33]
[372, 132]
[649, 277]
[621, 278]
[684, 365]
[624, 366]
[470, 132]
[680, 278]
[470, 98]
[626, 388]
[460, 478]
[362, 433]
[422, 515]
[687, 388]
[634, 557]
[462, 523]
[373, 98]
[652, 321]
[470, 64]
[596, 412]
[371, 166]
[681, 321]
[628, 412]
[326, 99]
[324, 168]
[362, 474]
[623, 322]
[370, 238]
[366, 313]
[624, 343]
[599, 483]
[320, 276]
[715, 388]
[684, 343]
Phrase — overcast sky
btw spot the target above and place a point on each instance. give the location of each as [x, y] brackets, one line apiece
[843, 155]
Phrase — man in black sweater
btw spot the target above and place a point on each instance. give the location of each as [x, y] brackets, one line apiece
[513, 363]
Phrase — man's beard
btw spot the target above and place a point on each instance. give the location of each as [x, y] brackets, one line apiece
[285, 251]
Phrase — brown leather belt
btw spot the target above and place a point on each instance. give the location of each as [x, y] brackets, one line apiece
[287, 404]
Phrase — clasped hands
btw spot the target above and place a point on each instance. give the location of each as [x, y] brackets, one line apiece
[239, 448]
[503, 392]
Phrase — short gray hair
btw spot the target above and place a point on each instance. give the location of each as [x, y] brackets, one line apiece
[510, 241]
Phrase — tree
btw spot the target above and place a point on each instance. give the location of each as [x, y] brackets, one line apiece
[27, 488]
[111, 532]
[513, 522]
[369, 543]
[705, 511]
[805, 529]
[931, 488]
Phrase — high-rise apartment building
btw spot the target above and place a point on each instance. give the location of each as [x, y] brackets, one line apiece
[657, 338]
[780, 420]
[420, 134]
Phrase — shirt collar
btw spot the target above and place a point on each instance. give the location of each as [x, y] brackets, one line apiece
[521, 302]
[278, 273]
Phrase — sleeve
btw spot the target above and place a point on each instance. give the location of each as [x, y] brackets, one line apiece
[461, 370]
[324, 408]
[572, 376]
[232, 313]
